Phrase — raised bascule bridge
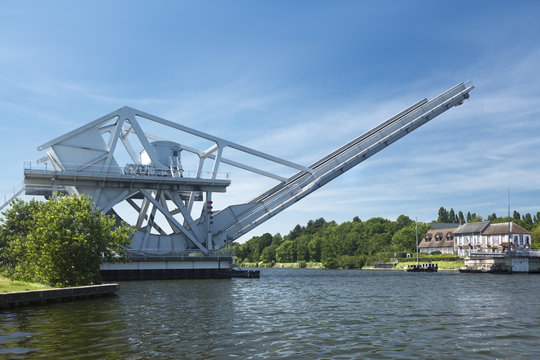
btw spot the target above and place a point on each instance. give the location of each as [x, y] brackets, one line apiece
[140, 177]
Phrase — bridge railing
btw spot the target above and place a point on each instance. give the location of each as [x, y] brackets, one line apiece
[163, 254]
[128, 170]
[521, 252]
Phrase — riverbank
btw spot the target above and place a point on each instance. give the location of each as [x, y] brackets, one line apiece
[451, 266]
[441, 264]
[295, 265]
[7, 285]
[44, 296]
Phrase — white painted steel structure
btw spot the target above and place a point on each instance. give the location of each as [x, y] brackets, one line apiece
[84, 161]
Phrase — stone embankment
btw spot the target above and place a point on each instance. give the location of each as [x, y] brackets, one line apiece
[57, 295]
[526, 262]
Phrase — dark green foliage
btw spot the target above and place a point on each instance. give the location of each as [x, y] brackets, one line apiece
[337, 246]
[60, 242]
[535, 237]
[452, 218]
[351, 262]
[403, 221]
[536, 218]
[449, 216]
[286, 253]
[269, 253]
[443, 215]
[404, 240]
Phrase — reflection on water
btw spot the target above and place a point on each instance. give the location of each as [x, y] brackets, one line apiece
[290, 314]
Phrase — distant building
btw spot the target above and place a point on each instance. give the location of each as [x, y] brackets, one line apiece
[438, 240]
[495, 237]
[487, 237]
[469, 237]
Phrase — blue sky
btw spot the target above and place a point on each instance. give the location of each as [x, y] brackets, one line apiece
[296, 80]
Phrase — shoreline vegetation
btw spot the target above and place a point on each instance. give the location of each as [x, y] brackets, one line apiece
[7, 285]
[358, 244]
[453, 265]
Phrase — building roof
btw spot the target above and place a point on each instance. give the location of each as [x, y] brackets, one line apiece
[438, 238]
[443, 226]
[502, 229]
[472, 228]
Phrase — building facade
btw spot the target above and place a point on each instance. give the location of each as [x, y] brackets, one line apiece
[495, 237]
[468, 237]
[438, 240]
[487, 237]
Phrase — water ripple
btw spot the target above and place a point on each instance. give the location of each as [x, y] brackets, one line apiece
[290, 314]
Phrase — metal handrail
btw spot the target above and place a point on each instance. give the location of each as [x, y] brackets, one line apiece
[82, 169]
[195, 253]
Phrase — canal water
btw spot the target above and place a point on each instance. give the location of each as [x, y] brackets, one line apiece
[290, 314]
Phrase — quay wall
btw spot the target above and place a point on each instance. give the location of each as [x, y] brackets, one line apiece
[502, 263]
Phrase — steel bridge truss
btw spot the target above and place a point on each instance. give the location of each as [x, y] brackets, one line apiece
[82, 162]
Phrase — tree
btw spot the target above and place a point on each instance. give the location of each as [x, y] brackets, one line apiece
[469, 216]
[528, 219]
[313, 226]
[535, 237]
[296, 232]
[475, 218]
[277, 239]
[452, 216]
[536, 218]
[314, 247]
[492, 217]
[285, 252]
[443, 215]
[461, 218]
[404, 240]
[269, 254]
[61, 241]
[302, 247]
[18, 222]
[516, 215]
[403, 221]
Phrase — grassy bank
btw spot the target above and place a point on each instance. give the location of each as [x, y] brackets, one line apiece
[442, 265]
[7, 285]
[445, 265]
[295, 265]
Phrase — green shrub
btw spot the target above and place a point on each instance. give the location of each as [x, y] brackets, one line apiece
[351, 262]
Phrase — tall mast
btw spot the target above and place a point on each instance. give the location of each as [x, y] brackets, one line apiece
[509, 239]
[416, 231]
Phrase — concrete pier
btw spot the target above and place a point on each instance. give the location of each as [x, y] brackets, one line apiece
[55, 295]
[513, 262]
[174, 267]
